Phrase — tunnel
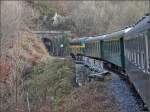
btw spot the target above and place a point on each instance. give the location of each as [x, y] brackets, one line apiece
[49, 44]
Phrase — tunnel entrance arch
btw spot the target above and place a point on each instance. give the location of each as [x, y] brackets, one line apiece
[54, 41]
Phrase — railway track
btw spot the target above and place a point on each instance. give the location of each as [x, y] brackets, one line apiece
[126, 95]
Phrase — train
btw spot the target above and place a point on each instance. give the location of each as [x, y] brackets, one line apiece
[127, 51]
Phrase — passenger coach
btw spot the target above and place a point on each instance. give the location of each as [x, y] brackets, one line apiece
[137, 57]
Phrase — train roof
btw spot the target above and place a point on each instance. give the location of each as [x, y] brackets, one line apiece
[113, 35]
[77, 40]
[142, 25]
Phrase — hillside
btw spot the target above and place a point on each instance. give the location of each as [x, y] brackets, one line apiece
[19, 47]
[25, 52]
[91, 17]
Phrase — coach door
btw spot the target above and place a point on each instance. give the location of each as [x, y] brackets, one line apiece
[147, 45]
[148, 38]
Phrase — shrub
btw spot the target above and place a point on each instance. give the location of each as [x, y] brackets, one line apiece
[49, 82]
[92, 97]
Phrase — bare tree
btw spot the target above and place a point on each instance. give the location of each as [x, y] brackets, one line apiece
[15, 16]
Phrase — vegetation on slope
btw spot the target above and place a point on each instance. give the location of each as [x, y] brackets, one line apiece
[51, 88]
[19, 47]
[24, 52]
[92, 97]
[48, 82]
[18, 60]
[19, 51]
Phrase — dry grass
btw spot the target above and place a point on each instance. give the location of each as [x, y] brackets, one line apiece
[31, 48]
[92, 97]
[27, 48]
